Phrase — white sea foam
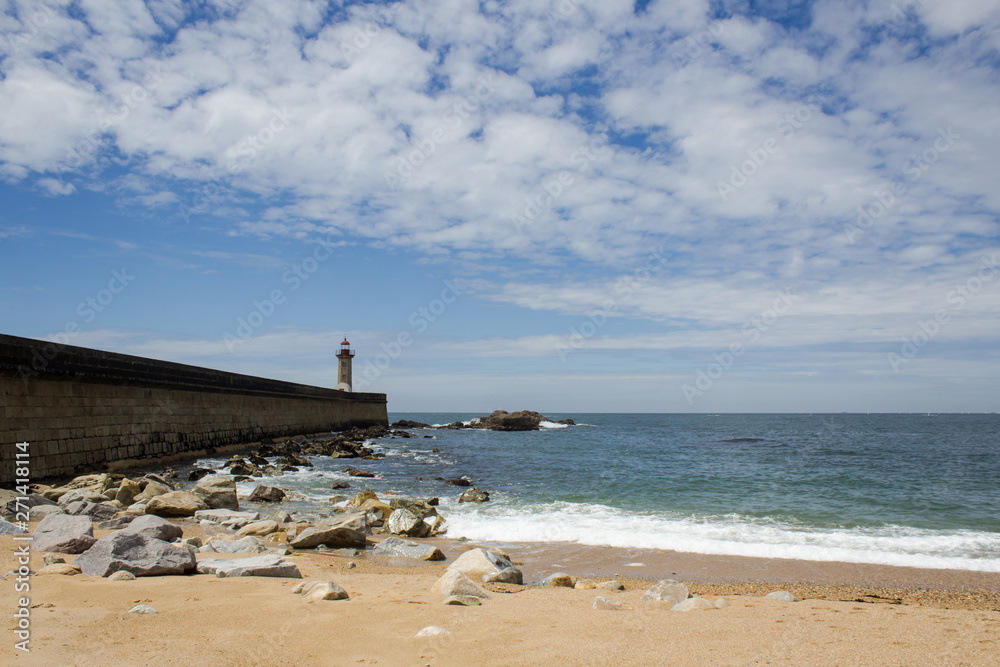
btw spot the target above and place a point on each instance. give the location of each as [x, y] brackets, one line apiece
[729, 535]
[547, 424]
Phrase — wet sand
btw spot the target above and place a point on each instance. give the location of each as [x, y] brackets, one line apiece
[909, 617]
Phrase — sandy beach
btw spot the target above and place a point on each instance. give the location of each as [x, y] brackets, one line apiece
[847, 614]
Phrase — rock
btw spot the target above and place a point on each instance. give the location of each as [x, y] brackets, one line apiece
[405, 522]
[136, 553]
[721, 604]
[52, 559]
[267, 494]
[781, 596]
[218, 516]
[362, 498]
[39, 512]
[96, 511]
[21, 503]
[604, 604]
[454, 582]
[142, 609]
[154, 527]
[247, 545]
[121, 575]
[258, 528]
[77, 495]
[610, 586]
[63, 533]
[280, 516]
[314, 591]
[60, 568]
[175, 503]
[666, 590]
[377, 508]
[355, 472]
[8, 528]
[461, 481]
[567, 421]
[406, 423]
[487, 566]
[199, 473]
[217, 492]
[244, 469]
[117, 523]
[153, 489]
[560, 579]
[268, 565]
[693, 604]
[342, 532]
[433, 631]
[193, 541]
[127, 491]
[474, 495]
[501, 420]
[463, 600]
[340, 484]
[394, 546]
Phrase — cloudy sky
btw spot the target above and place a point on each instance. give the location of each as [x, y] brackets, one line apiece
[562, 205]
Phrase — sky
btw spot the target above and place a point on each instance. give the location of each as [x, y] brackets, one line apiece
[559, 205]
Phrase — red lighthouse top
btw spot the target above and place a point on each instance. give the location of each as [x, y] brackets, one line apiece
[345, 349]
[345, 343]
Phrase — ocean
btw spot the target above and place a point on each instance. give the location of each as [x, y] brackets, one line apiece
[919, 490]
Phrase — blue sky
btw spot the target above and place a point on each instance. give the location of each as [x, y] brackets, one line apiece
[562, 205]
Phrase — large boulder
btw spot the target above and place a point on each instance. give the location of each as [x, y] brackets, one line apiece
[268, 565]
[155, 527]
[267, 494]
[341, 532]
[8, 528]
[25, 503]
[64, 533]
[127, 491]
[405, 522]
[175, 503]
[218, 492]
[394, 546]
[487, 566]
[96, 511]
[152, 489]
[501, 420]
[454, 582]
[137, 553]
[474, 495]
[666, 590]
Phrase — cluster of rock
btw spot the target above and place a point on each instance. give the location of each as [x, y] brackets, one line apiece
[460, 583]
[290, 456]
[498, 420]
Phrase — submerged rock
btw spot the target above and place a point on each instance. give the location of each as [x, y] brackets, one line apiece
[474, 495]
[269, 494]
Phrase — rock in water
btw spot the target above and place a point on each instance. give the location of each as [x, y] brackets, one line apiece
[780, 596]
[218, 492]
[394, 546]
[315, 591]
[154, 527]
[405, 522]
[668, 591]
[267, 494]
[136, 553]
[487, 566]
[341, 532]
[355, 472]
[456, 583]
[269, 565]
[175, 503]
[474, 495]
[63, 533]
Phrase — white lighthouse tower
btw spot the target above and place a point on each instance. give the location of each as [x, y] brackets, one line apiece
[344, 375]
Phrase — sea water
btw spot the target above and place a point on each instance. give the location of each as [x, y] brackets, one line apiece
[913, 490]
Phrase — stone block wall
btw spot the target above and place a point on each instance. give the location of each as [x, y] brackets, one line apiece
[82, 410]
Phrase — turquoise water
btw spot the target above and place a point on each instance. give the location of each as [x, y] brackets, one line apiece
[918, 490]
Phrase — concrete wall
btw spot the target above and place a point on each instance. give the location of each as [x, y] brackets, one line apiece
[83, 409]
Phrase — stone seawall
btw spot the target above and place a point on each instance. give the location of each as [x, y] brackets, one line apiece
[82, 410]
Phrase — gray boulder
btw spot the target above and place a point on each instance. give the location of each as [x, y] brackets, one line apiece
[474, 495]
[394, 546]
[139, 554]
[453, 582]
[97, 511]
[487, 566]
[155, 527]
[117, 523]
[666, 590]
[75, 495]
[64, 533]
[404, 522]
[127, 491]
[22, 503]
[269, 565]
[267, 494]
[341, 532]
[218, 492]
[248, 545]
[8, 528]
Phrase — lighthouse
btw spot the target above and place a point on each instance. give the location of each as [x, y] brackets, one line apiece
[344, 375]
